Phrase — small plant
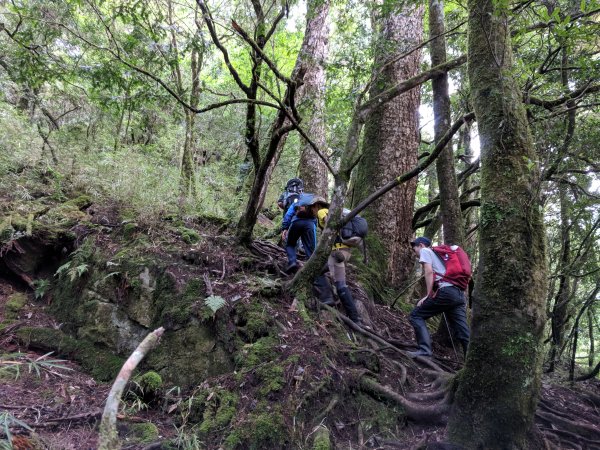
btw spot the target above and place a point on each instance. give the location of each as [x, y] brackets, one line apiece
[41, 288]
[18, 361]
[77, 265]
[7, 420]
[215, 302]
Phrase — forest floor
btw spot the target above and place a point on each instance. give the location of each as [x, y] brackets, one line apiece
[62, 404]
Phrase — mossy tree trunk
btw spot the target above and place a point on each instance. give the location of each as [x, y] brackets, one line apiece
[391, 140]
[449, 198]
[499, 387]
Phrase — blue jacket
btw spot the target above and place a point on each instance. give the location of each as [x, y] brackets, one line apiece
[290, 215]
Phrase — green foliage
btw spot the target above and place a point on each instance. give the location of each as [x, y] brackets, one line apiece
[214, 303]
[41, 287]
[8, 421]
[19, 361]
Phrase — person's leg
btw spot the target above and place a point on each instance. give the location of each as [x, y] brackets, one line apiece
[294, 233]
[308, 235]
[417, 318]
[457, 319]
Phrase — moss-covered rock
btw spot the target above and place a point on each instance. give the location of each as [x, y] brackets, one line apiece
[189, 236]
[150, 381]
[265, 429]
[97, 360]
[142, 433]
[253, 321]
[188, 355]
[251, 355]
[14, 303]
[219, 409]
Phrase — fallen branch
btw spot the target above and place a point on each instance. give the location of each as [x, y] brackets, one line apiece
[108, 437]
[83, 417]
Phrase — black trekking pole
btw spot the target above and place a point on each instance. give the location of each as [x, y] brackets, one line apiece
[405, 289]
[450, 334]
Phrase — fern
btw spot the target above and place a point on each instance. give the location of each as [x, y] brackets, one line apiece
[215, 302]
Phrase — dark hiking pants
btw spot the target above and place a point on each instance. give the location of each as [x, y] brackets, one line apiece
[306, 231]
[449, 300]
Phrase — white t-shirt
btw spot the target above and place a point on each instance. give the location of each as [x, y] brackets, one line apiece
[428, 256]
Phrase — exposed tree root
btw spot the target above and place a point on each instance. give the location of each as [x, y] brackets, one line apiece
[435, 413]
[332, 404]
[582, 430]
[427, 396]
[572, 439]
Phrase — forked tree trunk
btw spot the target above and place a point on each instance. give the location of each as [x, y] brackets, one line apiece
[499, 387]
[391, 141]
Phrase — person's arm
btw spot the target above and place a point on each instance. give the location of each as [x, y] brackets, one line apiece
[429, 278]
[287, 221]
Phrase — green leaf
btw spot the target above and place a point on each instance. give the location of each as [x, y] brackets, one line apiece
[215, 302]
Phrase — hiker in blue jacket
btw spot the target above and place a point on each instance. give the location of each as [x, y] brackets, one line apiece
[300, 223]
[442, 298]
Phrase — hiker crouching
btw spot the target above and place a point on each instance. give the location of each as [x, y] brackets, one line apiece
[339, 256]
[443, 297]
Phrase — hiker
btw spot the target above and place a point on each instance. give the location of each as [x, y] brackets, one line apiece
[339, 256]
[300, 223]
[293, 189]
[443, 297]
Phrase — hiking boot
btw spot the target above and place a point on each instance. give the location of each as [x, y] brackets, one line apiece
[418, 353]
[291, 269]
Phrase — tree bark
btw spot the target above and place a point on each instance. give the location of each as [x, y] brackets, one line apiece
[449, 198]
[311, 96]
[391, 141]
[499, 388]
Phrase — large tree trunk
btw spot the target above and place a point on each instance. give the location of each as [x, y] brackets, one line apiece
[499, 387]
[449, 198]
[391, 141]
[312, 96]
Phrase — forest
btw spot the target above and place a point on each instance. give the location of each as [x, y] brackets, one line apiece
[147, 299]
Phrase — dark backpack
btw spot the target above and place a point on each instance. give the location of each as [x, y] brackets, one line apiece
[354, 231]
[293, 189]
[457, 263]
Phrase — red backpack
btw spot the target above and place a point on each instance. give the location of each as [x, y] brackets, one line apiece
[458, 266]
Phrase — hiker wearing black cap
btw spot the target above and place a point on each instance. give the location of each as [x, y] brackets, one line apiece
[442, 297]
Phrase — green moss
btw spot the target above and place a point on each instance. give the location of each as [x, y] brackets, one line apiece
[271, 378]
[143, 433]
[265, 430]
[233, 440]
[149, 381]
[189, 236]
[322, 440]
[251, 355]
[129, 230]
[14, 304]
[254, 321]
[219, 409]
[101, 363]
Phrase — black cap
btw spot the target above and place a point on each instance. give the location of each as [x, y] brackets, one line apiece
[421, 240]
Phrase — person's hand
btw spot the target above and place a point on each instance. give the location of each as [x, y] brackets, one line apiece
[421, 301]
[284, 234]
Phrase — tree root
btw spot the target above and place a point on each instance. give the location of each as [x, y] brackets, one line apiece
[332, 404]
[431, 414]
[583, 431]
